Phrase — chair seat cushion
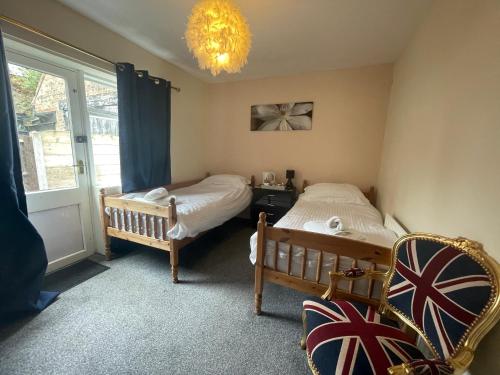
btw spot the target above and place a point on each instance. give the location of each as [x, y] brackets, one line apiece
[352, 338]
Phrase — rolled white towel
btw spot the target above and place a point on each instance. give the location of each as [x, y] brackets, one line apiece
[335, 223]
[156, 194]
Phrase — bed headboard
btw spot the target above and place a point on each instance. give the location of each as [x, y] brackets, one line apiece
[252, 179]
[370, 194]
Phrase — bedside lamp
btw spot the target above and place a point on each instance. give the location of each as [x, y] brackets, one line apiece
[290, 173]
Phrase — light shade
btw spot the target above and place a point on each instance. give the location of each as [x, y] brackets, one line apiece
[218, 36]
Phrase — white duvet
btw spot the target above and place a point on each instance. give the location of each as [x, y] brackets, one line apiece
[364, 219]
[202, 206]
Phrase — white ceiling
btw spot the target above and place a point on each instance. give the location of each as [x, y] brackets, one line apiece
[289, 36]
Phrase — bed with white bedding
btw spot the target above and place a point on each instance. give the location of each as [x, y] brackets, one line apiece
[168, 218]
[300, 250]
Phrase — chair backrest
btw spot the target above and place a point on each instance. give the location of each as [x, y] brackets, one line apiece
[446, 290]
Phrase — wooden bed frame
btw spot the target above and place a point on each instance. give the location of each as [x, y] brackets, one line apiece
[338, 246]
[158, 219]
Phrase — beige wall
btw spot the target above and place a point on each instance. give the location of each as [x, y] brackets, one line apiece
[187, 106]
[347, 127]
[440, 169]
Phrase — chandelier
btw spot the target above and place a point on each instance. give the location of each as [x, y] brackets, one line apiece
[218, 36]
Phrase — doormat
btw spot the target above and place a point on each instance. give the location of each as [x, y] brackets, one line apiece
[73, 275]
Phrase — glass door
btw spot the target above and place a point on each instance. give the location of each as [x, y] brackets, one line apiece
[53, 156]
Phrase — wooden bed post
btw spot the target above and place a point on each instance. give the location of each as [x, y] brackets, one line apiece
[105, 224]
[174, 250]
[259, 264]
[304, 185]
[372, 196]
[252, 181]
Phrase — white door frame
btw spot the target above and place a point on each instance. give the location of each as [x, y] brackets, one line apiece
[43, 200]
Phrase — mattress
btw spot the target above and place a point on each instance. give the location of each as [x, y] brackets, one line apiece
[200, 207]
[363, 219]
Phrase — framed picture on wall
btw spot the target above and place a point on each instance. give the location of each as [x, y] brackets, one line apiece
[281, 117]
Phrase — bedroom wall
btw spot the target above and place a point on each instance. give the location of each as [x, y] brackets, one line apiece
[347, 127]
[186, 145]
[440, 168]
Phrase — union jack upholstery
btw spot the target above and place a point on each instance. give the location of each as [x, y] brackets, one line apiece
[351, 338]
[441, 289]
[430, 367]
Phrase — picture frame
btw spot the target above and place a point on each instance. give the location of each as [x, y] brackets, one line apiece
[292, 116]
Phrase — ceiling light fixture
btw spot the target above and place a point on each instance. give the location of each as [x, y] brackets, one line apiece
[218, 36]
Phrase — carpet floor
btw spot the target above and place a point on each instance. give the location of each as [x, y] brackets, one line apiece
[131, 319]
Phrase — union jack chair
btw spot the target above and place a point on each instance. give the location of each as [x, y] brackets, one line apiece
[445, 291]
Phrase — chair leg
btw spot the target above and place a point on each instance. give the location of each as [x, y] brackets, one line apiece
[174, 264]
[304, 336]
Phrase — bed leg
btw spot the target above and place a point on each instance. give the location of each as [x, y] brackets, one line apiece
[304, 337]
[174, 263]
[107, 248]
[258, 303]
[105, 224]
[259, 264]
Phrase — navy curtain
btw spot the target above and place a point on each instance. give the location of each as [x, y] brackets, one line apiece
[144, 121]
[23, 260]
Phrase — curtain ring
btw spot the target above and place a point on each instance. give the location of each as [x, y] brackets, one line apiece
[121, 67]
[140, 75]
[157, 81]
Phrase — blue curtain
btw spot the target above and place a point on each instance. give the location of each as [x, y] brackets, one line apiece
[23, 260]
[144, 121]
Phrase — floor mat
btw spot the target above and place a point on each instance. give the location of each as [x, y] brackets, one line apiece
[73, 275]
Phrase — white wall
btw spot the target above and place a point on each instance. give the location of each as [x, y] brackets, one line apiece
[440, 168]
[344, 143]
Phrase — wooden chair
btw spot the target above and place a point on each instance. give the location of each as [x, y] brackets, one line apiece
[443, 290]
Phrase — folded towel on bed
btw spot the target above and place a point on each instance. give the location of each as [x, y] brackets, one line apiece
[156, 194]
[335, 223]
[321, 227]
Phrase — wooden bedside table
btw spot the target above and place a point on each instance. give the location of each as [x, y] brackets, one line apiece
[275, 203]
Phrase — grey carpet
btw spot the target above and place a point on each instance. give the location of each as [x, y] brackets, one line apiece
[73, 275]
[132, 320]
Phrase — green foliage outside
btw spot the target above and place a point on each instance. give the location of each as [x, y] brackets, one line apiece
[24, 83]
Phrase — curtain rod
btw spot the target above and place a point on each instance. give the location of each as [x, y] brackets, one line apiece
[57, 40]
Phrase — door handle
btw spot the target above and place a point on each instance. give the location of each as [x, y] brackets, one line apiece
[80, 166]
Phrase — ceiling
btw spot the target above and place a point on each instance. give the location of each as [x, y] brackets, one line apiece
[289, 36]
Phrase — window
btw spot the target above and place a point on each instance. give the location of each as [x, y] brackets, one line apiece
[102, 107]
[44, 129]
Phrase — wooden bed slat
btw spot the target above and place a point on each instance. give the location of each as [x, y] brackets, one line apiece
[289, 265]
[351, 282]
[319, 266]
[164, 228]
[304, 262]
[371, 282]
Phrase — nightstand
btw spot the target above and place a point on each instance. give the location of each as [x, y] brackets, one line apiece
[275, 203]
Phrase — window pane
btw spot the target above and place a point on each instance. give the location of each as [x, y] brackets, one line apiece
[102, 105]
[44, 129]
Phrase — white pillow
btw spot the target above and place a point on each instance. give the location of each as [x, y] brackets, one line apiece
[226, 179]
[337, 193]
[156, 194]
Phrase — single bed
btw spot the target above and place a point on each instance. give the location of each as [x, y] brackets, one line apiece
[299, 251]
[176, 217]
